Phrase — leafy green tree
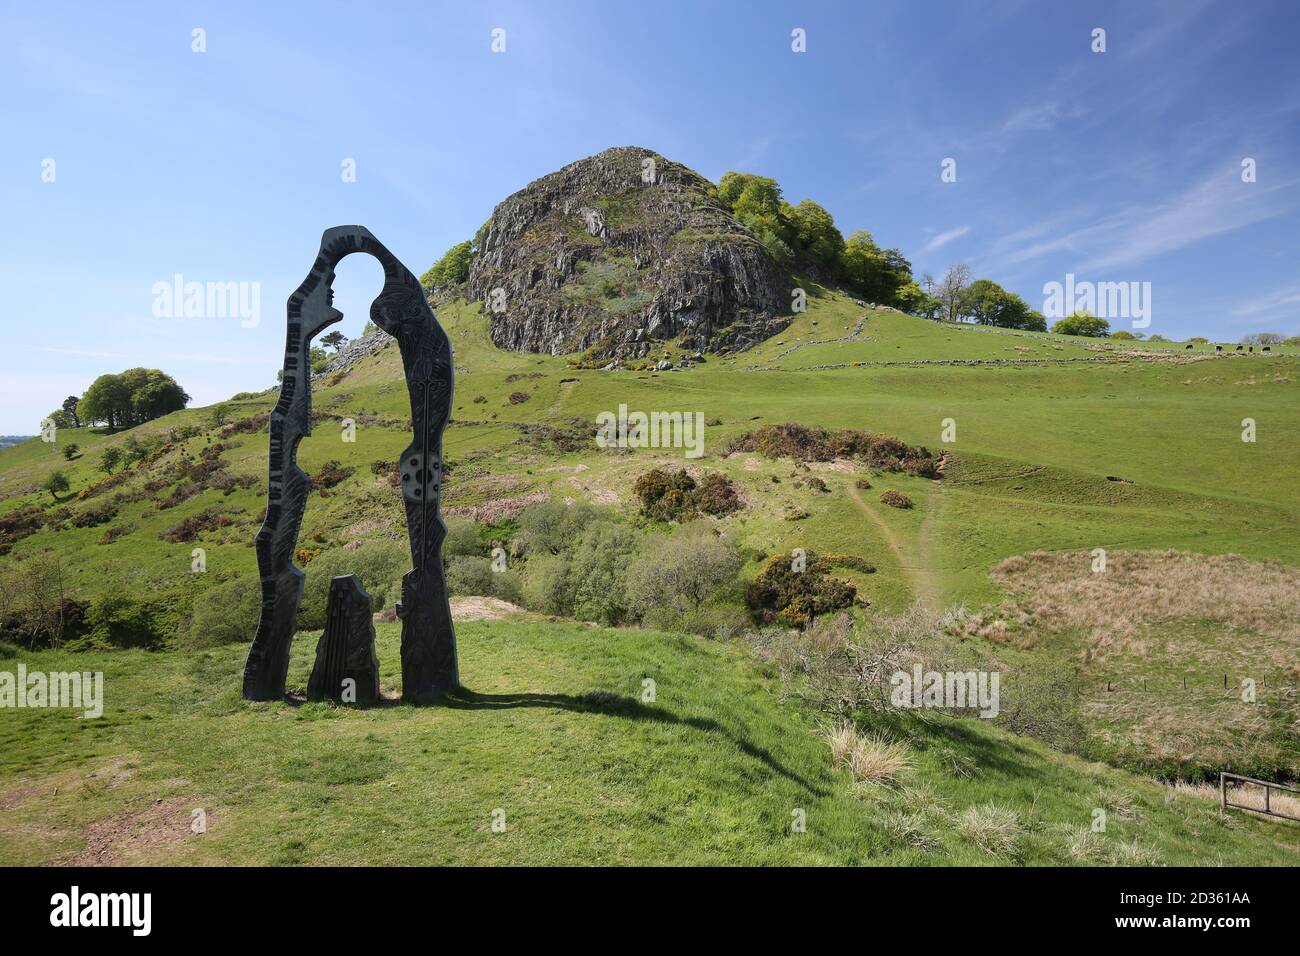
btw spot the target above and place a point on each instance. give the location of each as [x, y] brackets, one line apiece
[756, 202]
[1035, 321]
[70, 409]
[56, 484]
[816, 239]
[1082, 323]
[333, 340]
[878, 275]
[71, 451]
[110, 459]
[130, 398]
[989, 304]
[673, 574]
[318, 358]
[451, 269]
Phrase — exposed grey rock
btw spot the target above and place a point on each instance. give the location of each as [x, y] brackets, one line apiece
[359, 348]
[594, 257]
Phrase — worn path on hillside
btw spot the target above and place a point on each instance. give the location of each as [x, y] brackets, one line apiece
[922, 580]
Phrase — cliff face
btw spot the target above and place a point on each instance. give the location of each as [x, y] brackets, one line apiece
[620, 251]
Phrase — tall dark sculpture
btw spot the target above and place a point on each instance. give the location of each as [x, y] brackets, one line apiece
[429, 667]
[346, 650]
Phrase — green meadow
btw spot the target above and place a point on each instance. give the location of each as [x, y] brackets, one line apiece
[1058, 446]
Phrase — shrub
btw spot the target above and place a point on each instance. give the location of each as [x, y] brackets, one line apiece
[462, 539]
[466, 575]
[225, 614]
[18, 524]
[253, 423]
[896, 499]
[588, 580]
[676, 574]
[550, 527]
[190, 528]
[792, 440]
[116, 620]
[379, 564]
[798, 589]
[1082, 323]
[546, 585]
[675, 496]
[599, 572]
[95, 515]
[118, 531]
[183, 492]
[331, 473]
[99, 487]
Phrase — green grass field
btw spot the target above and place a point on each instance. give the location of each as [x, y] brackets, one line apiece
[552, 731]
[1062, 445]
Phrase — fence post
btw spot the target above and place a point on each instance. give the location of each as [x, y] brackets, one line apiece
[1223, 791]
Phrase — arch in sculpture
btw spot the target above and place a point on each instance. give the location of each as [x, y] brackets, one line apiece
[429, 664]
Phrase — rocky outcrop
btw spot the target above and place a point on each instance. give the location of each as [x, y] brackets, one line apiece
[616, 254]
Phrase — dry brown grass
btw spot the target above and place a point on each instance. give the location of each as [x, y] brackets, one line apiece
[876, 760]
[1138, 588]
[992, 828]
[1152, 638]
[1248, 796]
[872, 760]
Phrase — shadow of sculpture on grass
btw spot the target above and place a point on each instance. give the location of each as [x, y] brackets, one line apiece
[628, 708]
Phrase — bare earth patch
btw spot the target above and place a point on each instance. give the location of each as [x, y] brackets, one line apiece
[498, 510]
[481, 609]
[137, 837]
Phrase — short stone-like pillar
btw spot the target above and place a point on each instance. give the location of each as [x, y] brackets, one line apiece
[346, 651]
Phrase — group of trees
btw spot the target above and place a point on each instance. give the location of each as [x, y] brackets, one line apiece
[451, 269]
[804, 236]
[955, 298]
[120, 401]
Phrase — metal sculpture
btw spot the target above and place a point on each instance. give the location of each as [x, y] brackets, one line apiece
[429, 667]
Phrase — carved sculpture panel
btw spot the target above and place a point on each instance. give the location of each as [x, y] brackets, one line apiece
[429, 665]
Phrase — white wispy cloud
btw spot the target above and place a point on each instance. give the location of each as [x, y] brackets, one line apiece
[1044, 116]
[943, 238]
[1217, 204]
[1280, 303]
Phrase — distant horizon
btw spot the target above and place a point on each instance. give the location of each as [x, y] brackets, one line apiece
[140, 158]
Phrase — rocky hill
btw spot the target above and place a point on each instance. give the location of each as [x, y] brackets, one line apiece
[619, 252]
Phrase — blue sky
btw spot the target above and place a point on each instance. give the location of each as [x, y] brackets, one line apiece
[225, 166]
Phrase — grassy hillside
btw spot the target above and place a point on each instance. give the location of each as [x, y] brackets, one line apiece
[1062, 446]
[555, 733]
[1037, 443]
